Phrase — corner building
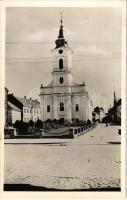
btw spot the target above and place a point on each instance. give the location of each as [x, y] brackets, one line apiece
[63, 98]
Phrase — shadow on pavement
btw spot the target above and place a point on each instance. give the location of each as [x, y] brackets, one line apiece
[28, 187]
[114, 142]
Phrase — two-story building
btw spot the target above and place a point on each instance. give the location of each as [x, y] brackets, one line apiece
[31, 109]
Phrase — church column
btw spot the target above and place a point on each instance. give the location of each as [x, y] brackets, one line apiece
[55, 114]
[68, 108]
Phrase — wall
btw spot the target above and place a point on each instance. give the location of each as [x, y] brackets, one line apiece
[13, 115]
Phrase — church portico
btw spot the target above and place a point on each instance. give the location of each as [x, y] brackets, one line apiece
[63, 98]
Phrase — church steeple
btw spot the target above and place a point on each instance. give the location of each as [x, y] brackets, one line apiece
[61, 28]
[60, 42]
[114, 98]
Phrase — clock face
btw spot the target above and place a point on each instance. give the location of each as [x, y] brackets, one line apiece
[60, 51]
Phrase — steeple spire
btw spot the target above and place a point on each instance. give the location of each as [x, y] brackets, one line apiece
[61, 28]
[114, 98]
[61, 41]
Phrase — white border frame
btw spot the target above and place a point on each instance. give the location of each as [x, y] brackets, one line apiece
[72, 3]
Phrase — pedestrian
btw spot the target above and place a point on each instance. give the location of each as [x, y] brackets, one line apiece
[106, 123]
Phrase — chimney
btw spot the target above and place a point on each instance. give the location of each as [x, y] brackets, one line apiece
[41, 86]
[24, 97]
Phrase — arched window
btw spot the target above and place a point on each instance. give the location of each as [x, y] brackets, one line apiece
[61, 106]
[60, 63]
[77, 107]
[48, 108]
[61, 80]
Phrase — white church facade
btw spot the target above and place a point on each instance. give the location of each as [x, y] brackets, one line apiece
[63, 98]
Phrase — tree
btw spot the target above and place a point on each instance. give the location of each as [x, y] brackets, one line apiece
[22, 127]
[88, 122]
[101, 109]
[97, 110]
[31, 123]
[16, 124]
[93, 114]
[39, 124]
[48, 123]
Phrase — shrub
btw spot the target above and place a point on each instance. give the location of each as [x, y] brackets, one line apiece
[39, 124]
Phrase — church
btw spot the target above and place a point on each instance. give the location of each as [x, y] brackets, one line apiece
[63, 98]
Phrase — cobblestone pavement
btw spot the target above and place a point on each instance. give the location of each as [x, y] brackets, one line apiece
[91, 160]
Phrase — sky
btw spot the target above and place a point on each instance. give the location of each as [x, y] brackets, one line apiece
[94, 34]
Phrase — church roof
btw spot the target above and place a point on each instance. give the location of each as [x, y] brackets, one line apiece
[50, 84]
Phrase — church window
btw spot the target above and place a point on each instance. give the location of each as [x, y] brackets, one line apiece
[61, 106]
[61, 63]
[77, 107]
[24, 110]
[60, 51]
[61, 80]
[48, 108]
[27, 110]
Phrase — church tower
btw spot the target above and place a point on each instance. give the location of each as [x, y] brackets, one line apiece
[62, 76]
[62, 61]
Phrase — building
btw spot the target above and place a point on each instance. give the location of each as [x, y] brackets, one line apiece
[31, 109]
[6, 106]
[14, 113]
[115, 112]
[14, 109]
[17, 108]
[98, 114]
[63, 98]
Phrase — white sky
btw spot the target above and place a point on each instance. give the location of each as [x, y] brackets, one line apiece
[94, 34]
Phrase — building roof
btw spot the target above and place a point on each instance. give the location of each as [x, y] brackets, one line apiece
[14, 100]
[13, 107]
[29, 102]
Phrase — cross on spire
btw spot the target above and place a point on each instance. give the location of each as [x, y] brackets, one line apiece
[61, 20]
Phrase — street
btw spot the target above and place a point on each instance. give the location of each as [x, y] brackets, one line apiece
[89, 161]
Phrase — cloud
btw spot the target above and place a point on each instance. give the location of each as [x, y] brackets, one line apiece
[91, 50]
[42, 35]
